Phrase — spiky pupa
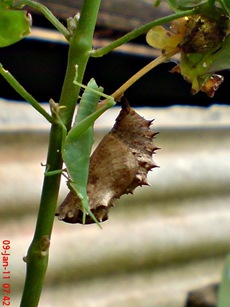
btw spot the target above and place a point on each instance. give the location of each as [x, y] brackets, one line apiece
[119, 164]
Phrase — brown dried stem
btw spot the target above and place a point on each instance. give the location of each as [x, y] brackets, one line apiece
[159, 60]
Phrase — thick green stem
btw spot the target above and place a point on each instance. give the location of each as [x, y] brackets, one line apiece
[37, 256]
[139, 31]
[80, 46]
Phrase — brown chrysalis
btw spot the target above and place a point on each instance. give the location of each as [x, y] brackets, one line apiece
[118, 165]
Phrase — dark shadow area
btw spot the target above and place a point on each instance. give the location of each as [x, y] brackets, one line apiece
[40, 67]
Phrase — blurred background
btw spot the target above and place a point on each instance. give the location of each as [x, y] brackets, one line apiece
[161, 242]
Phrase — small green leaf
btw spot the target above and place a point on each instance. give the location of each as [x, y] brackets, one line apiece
[79, 141]
[77, 149]
[157, 3]
[160, 38]
[195, 68]
[222, 60]
[14, 26]
[226, 5]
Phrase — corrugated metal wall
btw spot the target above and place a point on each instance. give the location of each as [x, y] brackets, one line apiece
[158, 244]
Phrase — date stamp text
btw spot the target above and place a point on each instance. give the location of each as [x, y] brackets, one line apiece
[5, 254]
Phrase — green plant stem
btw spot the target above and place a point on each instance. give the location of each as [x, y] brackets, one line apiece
[223, 298]
[137, 32]
[37, 259]
[79, 52]
[47, 13]
[37, 256]
[24, 94]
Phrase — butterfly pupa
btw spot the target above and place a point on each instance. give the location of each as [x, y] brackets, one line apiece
[119, 164]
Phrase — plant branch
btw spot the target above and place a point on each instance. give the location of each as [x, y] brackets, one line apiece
[80, 45]
[37, 256]
[139, 31]
[48, 14]
[24, 94]
[159, 60]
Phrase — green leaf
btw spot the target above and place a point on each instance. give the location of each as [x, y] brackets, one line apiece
[222, 60]
[78, 146]
[224, 291]
[77, 149]
[160, 38]
[157, 3]
[226, 5]
[195, 68]
[79, 141]
[14, 26]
